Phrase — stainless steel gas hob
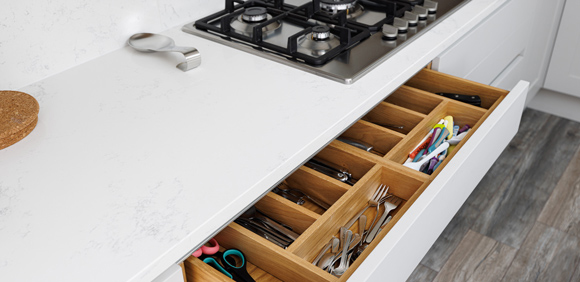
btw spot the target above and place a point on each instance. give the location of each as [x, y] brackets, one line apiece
[338, 39]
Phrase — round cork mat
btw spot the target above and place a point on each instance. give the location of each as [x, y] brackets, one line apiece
[18, 116]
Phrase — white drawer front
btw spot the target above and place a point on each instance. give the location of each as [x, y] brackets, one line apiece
[485, 52]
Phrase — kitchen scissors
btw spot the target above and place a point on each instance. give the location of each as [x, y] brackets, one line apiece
[231, 263]
[213, 248]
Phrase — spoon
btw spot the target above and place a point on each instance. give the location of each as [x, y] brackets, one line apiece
[151, 42]
[362, 224]
[330, 243]
[328, 258]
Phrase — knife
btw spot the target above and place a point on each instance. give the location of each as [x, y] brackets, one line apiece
[469, 99]
[360, 144]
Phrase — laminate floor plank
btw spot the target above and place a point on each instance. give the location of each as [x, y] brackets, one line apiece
[422, 274]
[510, 198]
[562, 211]
[477, 258]
[450, 238]
[576, 276]
[524, 188]
[547, 254]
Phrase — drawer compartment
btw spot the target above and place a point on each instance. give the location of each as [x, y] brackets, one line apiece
[394, 117]
[425, 203]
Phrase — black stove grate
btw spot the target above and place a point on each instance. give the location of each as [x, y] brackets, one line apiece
[350, 32]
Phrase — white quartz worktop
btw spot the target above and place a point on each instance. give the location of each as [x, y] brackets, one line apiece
[133, 162]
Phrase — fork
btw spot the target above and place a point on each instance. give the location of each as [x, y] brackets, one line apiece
[390, 204]
[381, 201]
[373, 202]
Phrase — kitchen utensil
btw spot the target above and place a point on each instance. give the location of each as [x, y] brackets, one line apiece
[464, 129]
[232, 263]
[381, 200]
[356, 238]
[469, 99]
[324, 249]
[449, 126]
[206, 249]
[327, 171]
[394, 126]
[329, 266]
[360, 144]
[287, 194]
[384, 223]
[254, 214]
[300, 195]
[362, 224]
[151, 42]
[328, 258]
[390, 204]
[343, 259]
[417, 165]
[352, 244]
[264, 233]
[373, 202]
[457, 138]
[331, 170]
[444, 133]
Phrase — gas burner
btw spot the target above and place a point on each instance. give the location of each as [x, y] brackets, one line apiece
[338, 39]
[333, 7]
[320, 33]
[255, 14]
[318, 42]
[252, 16]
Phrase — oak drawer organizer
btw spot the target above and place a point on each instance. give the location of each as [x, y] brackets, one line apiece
[430, 201]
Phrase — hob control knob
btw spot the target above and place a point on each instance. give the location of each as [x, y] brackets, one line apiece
[411, 18]
[390, 32]
[421, 11]
[431, 6]
[401, 24]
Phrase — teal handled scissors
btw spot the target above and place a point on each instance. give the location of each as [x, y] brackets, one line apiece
[231, 263]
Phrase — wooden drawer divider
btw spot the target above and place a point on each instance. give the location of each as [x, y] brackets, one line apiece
[412, 105]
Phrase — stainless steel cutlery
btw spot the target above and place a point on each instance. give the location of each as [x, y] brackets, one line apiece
[351, 245]
[331, 170]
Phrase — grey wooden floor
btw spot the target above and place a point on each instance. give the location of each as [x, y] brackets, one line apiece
[522, 222]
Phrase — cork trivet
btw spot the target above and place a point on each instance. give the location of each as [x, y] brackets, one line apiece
[18, 116]
[15, 137]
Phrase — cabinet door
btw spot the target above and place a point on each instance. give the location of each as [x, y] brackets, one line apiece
[564, 71]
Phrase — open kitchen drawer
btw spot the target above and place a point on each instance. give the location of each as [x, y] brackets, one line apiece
[428, 201]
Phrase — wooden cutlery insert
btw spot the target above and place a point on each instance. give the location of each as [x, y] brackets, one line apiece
[417, 109]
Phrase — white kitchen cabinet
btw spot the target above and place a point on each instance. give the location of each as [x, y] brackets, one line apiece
[429, 201]
[564, 71]
[513, 44]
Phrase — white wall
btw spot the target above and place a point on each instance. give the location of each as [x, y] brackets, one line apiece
[39, 38]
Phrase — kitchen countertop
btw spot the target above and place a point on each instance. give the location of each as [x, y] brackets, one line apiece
[133, 162]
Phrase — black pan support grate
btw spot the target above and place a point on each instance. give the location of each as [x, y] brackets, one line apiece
[348, 31]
